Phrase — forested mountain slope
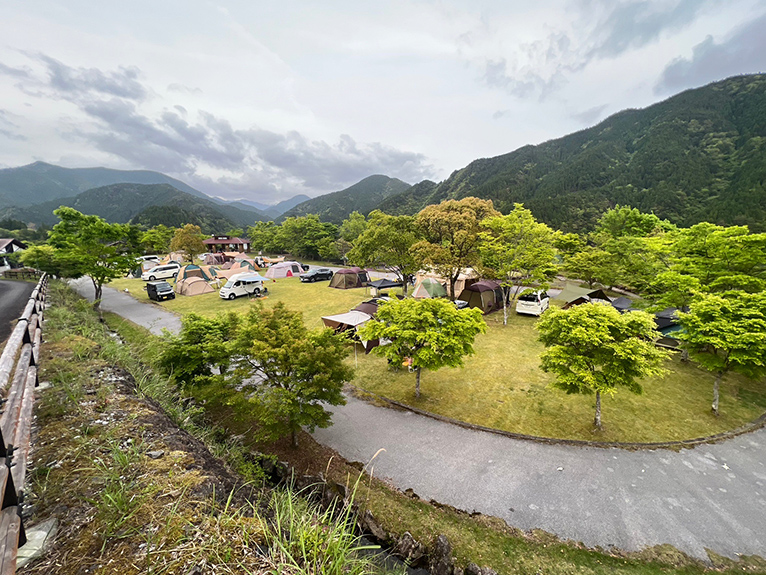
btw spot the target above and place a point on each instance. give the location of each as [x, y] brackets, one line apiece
[151, 203]
[699, 155]
[362, 197]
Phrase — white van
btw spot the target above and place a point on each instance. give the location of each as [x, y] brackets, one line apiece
[247, 283]
[162, 272]
[533, 303]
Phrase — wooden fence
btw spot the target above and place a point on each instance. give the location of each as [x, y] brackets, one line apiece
[22, 274]
[18, 379]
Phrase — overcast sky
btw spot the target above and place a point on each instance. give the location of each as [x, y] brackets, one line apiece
[266, 99]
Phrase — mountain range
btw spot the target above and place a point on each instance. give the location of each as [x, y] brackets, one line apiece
[697, 156]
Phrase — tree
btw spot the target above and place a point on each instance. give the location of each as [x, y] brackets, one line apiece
[305, 236]
[263, 237]
[431, 333]
[90, 246]
[157, 239]
[202, 347]
[727, 332]
[387, 242]
[594, 348]
[451, 236]
[299, 371]
[188, 239]
[517, 250]
[592, 265]
[352, 227]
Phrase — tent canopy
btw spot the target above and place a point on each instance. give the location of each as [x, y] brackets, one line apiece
[429, 287]
[385, 284]
[349, 278]
[345, 321]
[484, 285]
[487, 296]
[192, 286]
[284, 270]
[207, 273]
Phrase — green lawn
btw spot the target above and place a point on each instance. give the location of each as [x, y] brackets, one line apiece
[501, 386]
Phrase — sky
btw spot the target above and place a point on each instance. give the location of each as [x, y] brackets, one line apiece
[263, 100]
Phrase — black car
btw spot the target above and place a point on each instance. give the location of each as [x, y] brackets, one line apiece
[159, 291]
[316, 274]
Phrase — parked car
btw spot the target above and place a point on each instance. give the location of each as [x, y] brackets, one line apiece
[147, 258]
[162, 272]
[159, 291]
[533, 303]
[316, 274]
[243, 284]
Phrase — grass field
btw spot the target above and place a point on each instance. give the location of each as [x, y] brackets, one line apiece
[501, 386]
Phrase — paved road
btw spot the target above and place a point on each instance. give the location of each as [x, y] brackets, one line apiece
[152, 317]
[14, 295]
[711, 496]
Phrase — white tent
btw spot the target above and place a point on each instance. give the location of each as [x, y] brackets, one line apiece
[344, 321]
[284, 270]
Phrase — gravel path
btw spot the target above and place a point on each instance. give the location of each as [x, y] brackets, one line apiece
[712, 496]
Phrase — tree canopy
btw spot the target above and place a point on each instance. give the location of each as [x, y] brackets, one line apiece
[426, 334]
[451, 236]
[90, 246]
[593, 348]
[517, 250]
[188, 239]
[727, 332]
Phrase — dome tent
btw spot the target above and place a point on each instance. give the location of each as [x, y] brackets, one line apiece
[485, 295]
[428, 288]
[349, 278]
[193, 286]
[284, 270]
[207, 273]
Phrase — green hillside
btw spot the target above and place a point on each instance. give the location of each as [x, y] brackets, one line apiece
[699, 155]
[362, 197]
[40, 182]
[156, 203]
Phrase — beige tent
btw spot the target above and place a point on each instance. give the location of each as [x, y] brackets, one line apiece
[193, 286]
[429, 288]
[466, 278]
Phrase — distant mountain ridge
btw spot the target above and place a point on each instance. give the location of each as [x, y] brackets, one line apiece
[363, 197]
[145, 203]
[697, 156]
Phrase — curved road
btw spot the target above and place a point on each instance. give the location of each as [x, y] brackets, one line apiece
[712, 496]
[13, 297]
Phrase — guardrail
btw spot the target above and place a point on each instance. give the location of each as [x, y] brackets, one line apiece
[18, 379]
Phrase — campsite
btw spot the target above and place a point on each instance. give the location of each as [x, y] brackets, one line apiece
[501, 386]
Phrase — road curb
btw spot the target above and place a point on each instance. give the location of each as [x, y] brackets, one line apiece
[628, 446]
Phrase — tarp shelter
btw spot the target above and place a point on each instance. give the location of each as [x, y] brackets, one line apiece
[346, 321]
[571, 292]
[622, 304]
[349, 278]
[464, 279]
[371, 306]
[667, 320]
[193, 286]
[207, 273]
[591, 297]
[428, 288]
[379, 285]
[485, 295]
[284, 270]
[172, 258]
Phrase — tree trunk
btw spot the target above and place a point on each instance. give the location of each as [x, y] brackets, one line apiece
[97, 297]
[597, 420]
[685, 355]
[718, 378]
[404, 286]
[417, 382]
[294, 436]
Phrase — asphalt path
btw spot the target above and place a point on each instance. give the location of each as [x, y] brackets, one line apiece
[14, 295]
[709, 497]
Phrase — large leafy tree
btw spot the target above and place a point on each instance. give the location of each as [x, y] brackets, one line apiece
[593, 265]
[263, 237]
[188, 239]
[428, 334]
[727, 332]
[157, 239]
[352, 227]
[592, 348]
[387, 242]
[517, 250]
[306, 236]
[299, 371]
[451, 236]
[90, 246]
[722, 258]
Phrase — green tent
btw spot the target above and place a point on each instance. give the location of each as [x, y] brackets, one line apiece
[428, 288]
